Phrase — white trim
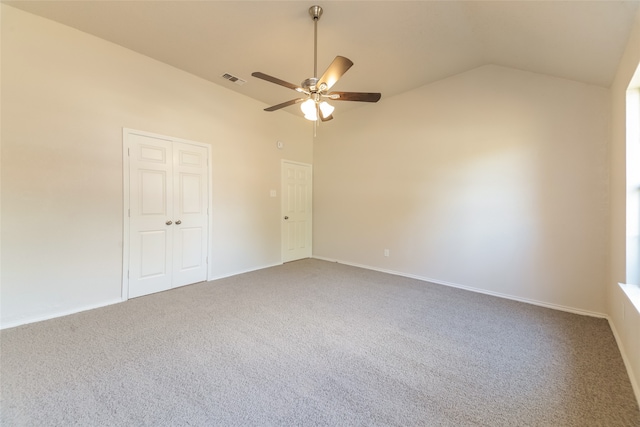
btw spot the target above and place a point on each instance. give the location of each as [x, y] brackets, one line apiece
[125, 214]
[224, 276]
[469, 288]
[126, 202]
[210, 212]
[633, 294]
[49, 316]
[295, 163]
[627, 363]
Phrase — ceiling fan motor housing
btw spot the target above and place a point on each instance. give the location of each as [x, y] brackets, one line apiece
[310, 84]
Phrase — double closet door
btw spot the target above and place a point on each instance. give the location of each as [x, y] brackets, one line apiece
[168, 218]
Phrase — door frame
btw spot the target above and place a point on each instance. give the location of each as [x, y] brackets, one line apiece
[282, 213]
[126, 182]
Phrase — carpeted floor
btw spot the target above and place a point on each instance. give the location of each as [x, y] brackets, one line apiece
[315, 343]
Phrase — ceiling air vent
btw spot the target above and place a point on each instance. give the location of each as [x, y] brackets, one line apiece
[234, 79]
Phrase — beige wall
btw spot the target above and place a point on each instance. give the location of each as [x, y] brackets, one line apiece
[494, 179]
[65, 98]
[624, 318]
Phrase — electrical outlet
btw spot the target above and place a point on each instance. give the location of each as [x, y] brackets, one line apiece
[386, 252]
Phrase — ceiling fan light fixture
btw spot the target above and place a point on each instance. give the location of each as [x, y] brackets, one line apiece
[315, 88]
[308, 107]
[313, 118]
[326, 109]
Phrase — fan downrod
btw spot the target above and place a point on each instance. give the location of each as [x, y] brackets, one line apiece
[315, 12]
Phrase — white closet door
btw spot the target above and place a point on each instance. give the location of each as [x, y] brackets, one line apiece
[168, 218]
[190, 214]
[151, 215]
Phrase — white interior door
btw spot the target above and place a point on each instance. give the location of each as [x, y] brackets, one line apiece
[151, 215]
[190, 214]
[168, 214]
[296, 211]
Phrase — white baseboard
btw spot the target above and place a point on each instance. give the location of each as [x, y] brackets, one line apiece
[41, 317]
[627, 363]
[472, 289]
[235, 273]
[25, 320]
[53, 315]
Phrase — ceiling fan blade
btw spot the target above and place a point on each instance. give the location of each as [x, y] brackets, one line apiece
[338, 67]
[275, 80]
[355, 96]
[284, 104]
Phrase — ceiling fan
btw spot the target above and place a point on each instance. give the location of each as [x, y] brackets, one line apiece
[314, 104]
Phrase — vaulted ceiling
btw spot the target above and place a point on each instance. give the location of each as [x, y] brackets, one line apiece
[396, 45]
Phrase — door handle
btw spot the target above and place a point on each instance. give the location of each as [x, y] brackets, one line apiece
[286, 217]
[169, 222]
[178, 222]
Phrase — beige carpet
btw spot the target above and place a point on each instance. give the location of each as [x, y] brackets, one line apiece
[315, 343]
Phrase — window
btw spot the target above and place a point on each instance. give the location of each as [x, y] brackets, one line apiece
[633, 186]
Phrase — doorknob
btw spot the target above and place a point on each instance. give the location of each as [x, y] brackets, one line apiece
[169, 222]
[178, 222]
[286, 217]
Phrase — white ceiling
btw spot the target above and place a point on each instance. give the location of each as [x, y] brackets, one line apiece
[396, 46]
